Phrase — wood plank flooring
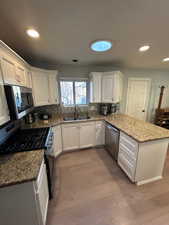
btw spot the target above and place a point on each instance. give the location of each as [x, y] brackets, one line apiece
[91, 189]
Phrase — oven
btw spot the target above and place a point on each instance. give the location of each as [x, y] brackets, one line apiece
[20, 101]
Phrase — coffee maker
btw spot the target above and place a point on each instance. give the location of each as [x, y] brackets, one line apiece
[108, 108]
[105, 109]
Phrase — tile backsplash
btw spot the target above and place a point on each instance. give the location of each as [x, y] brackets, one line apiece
[57, 109]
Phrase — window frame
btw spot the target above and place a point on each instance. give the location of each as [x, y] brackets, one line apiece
[74, 95]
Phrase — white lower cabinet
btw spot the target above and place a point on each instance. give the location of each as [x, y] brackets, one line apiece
[127, 157]
[70, 136]
[25, 203]
[100, 133]
[87, 134]
[57, 146]
[78, 135]
[142, 162]
[42, 195]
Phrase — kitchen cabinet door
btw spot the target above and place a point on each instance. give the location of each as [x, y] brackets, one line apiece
[28, 78]
[20, 75]
[95, 87]
[57, 140]
[100, 133]
[8, 70]
[40, 85]
[107, 87]
[42, 194]
[53, 88]
[87, 134]
[118, 87]
[70, 135]
[4, 113]
[112, 87]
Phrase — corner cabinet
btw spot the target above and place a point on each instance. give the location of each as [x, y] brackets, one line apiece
[112, 87]
[4, 113]
[95, 87]
[45, 87]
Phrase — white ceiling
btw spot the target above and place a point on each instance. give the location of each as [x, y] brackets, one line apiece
[68, 27]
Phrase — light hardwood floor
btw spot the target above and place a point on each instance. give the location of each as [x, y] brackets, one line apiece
[92, 190]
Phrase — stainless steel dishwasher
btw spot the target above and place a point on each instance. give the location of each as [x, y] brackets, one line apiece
[112, 140]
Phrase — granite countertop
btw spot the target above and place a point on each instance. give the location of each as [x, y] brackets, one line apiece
[139, 130]
[24, 166]
[20, 167]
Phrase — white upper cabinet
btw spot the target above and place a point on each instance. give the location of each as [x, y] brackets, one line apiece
[8, 70]
[20, 75]
[53, 88]
[45, 87]
[14, 73]
[4, 113]
[40, 85]
[106, 87]
[111, 87]
[95, 87]
[28, 78]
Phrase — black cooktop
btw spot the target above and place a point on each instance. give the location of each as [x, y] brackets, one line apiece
[25, 140]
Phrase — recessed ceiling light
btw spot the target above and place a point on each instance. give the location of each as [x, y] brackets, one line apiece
[101, 45]
[166, 59]
[75, 60]
[33, 33]
[144, 48]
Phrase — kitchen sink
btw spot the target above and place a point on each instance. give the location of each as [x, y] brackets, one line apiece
[76, 119]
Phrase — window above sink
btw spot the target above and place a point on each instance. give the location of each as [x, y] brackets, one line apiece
[74, 92]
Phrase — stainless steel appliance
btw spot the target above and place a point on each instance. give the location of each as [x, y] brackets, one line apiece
[104, 110]
[20, 101]
[112, 140]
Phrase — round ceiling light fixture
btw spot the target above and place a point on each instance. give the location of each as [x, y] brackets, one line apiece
[144, 48]
[101, 45]
[166, 59]
[32, 33]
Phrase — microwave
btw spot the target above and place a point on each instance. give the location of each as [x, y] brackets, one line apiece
[20, 101]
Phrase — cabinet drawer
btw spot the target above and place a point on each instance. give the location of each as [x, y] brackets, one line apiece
[128, 168]
[128, 156]
[129, 151]
[128, 142]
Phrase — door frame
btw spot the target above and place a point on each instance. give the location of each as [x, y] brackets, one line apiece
[148, 92]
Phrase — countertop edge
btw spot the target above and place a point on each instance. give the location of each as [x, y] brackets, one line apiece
[53, 124]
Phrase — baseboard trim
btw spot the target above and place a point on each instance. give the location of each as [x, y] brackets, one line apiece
[148, 180]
